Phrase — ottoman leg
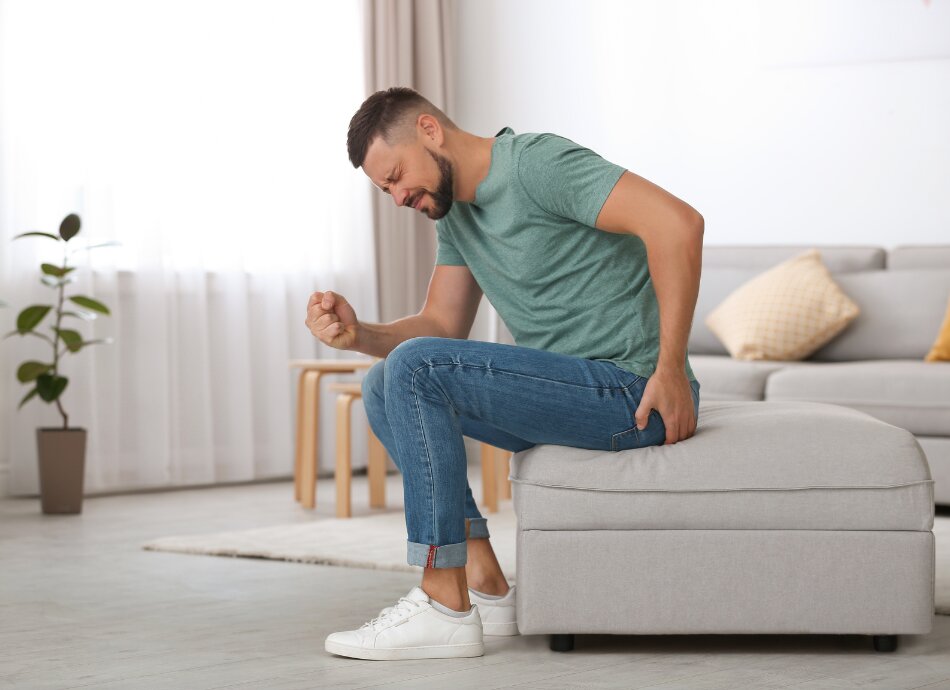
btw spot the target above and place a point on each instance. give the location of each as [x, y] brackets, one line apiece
[885, 643]
[563, 643]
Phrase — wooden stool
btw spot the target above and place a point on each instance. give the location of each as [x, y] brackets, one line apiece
[376, 471]
[306, 451]
[495, 461]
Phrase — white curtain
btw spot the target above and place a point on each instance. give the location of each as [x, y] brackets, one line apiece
[207, 137]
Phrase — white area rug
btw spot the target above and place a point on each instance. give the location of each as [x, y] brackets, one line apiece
[379, 542]
[371, 541]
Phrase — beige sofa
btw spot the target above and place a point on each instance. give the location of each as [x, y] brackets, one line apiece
[875, 365]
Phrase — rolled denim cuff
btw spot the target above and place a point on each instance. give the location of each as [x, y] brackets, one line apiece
[478, 528]
[432, 556]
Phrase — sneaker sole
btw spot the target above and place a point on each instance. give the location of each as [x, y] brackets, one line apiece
[435, 652]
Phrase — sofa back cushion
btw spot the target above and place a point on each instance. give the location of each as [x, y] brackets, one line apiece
[935, 256]
[727, 267]
[784, 313]
[901, 313]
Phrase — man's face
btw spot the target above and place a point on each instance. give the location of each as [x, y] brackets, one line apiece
[413, 175]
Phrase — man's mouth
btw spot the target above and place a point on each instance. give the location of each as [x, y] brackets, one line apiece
[418, 200]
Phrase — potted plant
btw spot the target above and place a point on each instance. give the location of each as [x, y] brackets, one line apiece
[62, 450]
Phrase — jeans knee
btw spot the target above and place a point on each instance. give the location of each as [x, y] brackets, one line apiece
[373, 386]
[409, 354]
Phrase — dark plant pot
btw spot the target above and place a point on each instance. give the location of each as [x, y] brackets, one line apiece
[62, 455]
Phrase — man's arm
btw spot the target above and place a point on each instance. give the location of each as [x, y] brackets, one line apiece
[672, 232]
[449, 311]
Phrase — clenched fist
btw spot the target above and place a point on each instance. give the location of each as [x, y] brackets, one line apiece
[331, 319]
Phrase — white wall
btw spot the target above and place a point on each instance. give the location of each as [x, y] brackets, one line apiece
[788, 121]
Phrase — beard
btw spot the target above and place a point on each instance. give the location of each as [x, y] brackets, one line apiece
[442, 197]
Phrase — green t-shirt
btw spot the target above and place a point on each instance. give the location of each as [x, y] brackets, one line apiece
[557, 282]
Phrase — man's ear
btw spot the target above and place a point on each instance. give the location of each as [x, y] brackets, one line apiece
[431, 128]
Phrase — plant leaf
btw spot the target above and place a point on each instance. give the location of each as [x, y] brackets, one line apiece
[84, 315]
[90, 303]
[78, 346]
[27, 397]
[51, 387]
[105, 341]
[69, 228]
[58, 271]
[30, 317]
[39, 234]
[72, 339]
[28, 371]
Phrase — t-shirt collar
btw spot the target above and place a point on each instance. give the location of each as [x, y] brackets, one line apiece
[484, 188]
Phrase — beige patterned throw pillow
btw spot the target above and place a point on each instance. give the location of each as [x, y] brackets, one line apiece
[785, 313]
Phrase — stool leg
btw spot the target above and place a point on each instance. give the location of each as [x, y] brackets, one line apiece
[308, 439]
[376, 471]
[562, 642]
[489, 482]
[504, 469]
[298, 441]
[344, 471]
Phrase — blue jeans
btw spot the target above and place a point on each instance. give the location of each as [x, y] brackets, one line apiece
[429, 392]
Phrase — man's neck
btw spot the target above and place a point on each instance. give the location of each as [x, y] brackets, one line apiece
[472, 159]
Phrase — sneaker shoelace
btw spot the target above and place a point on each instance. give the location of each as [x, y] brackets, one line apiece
[404, 605]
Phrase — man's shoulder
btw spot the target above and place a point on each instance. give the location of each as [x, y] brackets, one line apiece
[544, 138]
[543, 149]
[513, 151]
[539, 139]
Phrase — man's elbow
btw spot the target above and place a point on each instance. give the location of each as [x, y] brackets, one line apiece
[696, 222]
[695, 233]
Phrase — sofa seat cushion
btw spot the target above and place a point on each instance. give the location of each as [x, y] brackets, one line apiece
[750, 465]
[723, 378]
[911, 394]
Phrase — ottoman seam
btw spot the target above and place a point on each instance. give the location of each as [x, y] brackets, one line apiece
[751, 488]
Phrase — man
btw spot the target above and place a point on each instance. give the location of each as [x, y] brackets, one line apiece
[594, 270]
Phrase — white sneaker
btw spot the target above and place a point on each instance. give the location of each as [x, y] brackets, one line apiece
[412, 629]
[498, 615]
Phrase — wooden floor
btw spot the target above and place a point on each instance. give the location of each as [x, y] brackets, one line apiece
[83, 606]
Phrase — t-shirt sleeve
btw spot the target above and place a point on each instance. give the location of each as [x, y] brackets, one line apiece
[446, 253]
[565, 178]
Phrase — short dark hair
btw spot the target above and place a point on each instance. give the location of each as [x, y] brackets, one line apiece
[383, 114]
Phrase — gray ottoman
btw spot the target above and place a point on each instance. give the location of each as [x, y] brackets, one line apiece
[775, 517]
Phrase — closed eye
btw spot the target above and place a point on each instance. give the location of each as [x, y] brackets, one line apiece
[389, 179]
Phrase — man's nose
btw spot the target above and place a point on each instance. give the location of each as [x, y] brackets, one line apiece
[400, 196]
